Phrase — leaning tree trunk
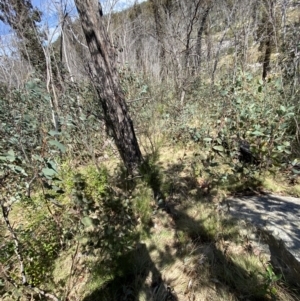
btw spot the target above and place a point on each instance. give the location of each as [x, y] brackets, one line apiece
[107, 83]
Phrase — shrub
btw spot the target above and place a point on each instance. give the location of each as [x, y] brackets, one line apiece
[248, 127]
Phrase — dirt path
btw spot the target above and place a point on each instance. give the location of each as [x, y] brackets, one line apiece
[277, 220]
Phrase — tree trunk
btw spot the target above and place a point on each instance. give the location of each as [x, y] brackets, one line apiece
[107, 83]
[159, 31]
[199, 37]
[267, 59]
[193, 13]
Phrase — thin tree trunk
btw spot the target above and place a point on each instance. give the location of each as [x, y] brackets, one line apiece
[199, 37]
[229, 21]
[159, 30]
[270, 33]
[190, 27]
[107, 83]
[267, 59]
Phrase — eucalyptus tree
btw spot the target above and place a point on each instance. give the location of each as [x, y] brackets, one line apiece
[107, 83]
[22, 17]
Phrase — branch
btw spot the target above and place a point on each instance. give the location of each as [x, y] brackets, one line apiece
[5, 212]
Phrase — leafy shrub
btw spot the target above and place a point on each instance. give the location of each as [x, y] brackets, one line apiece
[98, 219]
[258, 113]
[41, 246]
[248, 127]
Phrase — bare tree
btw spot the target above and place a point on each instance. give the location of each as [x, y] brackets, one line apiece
[200, 32]
[159, 32]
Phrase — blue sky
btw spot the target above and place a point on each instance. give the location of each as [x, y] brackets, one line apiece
[50, 13]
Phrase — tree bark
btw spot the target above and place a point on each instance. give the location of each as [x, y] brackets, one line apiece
[269, 38]
[159, 31]
[267, 58]
[199, 37]
[107, 83]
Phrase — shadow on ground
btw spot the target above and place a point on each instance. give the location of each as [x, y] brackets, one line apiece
[139, 279]
[212, 272]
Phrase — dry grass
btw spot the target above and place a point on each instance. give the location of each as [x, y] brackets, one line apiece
[195, 251]
[190, 252]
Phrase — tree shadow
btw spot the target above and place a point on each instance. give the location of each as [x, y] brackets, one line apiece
[133, 273]
[140, 277]
[227, 272]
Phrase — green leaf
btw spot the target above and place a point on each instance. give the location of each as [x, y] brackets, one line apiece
[51, 164]
[47, 97]
[207, 139]
[277, 277]
[20, 170]
[257, 133]
[37, 158]
[283, 108]
[53, 133]
[87, 221]
[219, 148]
[59, 145]
[145, 89]
[270, 271]
[280, 147]
[224, 92]
[82, 117]
[273, 290]
[48, 172]
[31, 85]
[83, 240]
[11, 156]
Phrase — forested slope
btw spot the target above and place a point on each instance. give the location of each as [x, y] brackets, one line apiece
[120, 138]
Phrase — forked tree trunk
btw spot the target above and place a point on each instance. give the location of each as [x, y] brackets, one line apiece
[107, 83]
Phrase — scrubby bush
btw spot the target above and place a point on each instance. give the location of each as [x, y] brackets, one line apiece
[256, 111]
[248, 126]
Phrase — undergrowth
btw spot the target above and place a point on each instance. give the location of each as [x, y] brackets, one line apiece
[93, 233]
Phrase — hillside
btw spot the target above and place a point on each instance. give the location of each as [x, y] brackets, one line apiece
[122, 141]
